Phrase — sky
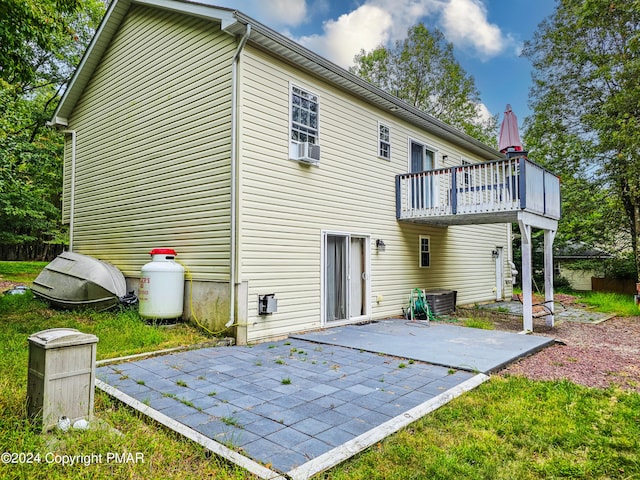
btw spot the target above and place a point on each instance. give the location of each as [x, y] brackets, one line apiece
[488, 35]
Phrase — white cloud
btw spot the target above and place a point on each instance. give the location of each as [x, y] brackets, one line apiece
[364, 28]
[283, 12]
[465, 24]
[376, 22]
[406, 13]
[483, 112]
[274, 13]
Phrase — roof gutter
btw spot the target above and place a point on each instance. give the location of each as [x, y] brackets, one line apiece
[62, 124]
[237, 23]
[234, 162]
[72, 192]
[328, 70]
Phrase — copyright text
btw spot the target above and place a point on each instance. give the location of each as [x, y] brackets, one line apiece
[70, 460]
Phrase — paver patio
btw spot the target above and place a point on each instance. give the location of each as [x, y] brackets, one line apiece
[568, 313]
[295, 405]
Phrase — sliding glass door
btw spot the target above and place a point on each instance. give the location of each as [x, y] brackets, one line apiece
[345, 277]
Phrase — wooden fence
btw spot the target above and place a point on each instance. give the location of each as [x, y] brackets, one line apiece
[613, 285]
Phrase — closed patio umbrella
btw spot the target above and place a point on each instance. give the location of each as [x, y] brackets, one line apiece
[509, 136]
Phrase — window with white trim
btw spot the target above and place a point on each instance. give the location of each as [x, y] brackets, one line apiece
[384, 141]
[467, 176]
[425, 252]
[305, 109]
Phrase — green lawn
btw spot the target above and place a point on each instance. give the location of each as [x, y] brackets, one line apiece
[508, 428]
[20, 272]
[614, 303]
[513, 428]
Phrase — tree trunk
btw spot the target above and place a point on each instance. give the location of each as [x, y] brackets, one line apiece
[41, 252]
[635, 238]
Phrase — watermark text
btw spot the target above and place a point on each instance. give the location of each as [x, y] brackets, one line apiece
[71, 460]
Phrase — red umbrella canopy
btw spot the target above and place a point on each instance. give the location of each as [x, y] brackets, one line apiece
[509, 136]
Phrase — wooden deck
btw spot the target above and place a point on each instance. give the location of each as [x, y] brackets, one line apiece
[503, 191]
[491, 192]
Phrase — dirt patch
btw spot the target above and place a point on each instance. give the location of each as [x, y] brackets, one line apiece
[5, 285]
[595, 355]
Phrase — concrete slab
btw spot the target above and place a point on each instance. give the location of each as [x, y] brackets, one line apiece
[470, 349]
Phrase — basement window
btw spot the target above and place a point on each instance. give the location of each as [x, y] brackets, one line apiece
[425, 253]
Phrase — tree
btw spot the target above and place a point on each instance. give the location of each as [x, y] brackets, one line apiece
[591, 215]
[30, 178]
[422, 71]
[33, 27]
[586, 104]
[39, 48]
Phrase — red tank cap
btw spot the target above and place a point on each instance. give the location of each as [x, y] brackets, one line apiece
[163, 251]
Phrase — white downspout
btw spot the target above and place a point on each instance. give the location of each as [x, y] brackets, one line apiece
[72, 190]
[234, 160]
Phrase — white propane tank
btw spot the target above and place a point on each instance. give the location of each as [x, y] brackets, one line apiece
[161, 291]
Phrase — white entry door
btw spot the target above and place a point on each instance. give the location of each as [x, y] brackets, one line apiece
[499, 273]
[346, 281]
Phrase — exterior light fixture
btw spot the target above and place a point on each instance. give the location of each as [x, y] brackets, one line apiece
[494, 254]
[380, 245]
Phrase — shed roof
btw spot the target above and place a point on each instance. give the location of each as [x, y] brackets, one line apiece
[581, 251]
[235, 23]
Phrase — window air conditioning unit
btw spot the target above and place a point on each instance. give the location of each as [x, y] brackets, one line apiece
[307, 152]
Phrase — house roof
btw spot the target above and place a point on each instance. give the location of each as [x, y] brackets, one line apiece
[581, 251]
[235, 23]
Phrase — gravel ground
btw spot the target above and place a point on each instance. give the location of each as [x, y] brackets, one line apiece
[4, 285]
[595, 355]
[592, 355]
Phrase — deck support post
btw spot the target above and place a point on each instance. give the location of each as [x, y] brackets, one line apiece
[549, 237]
[526, 222]
[527, 303]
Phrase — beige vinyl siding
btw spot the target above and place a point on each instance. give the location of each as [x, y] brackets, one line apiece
[461, 260]
[153, 157]
[579, 279]
[285, 206]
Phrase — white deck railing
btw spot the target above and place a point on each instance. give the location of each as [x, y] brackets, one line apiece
[506, 185]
